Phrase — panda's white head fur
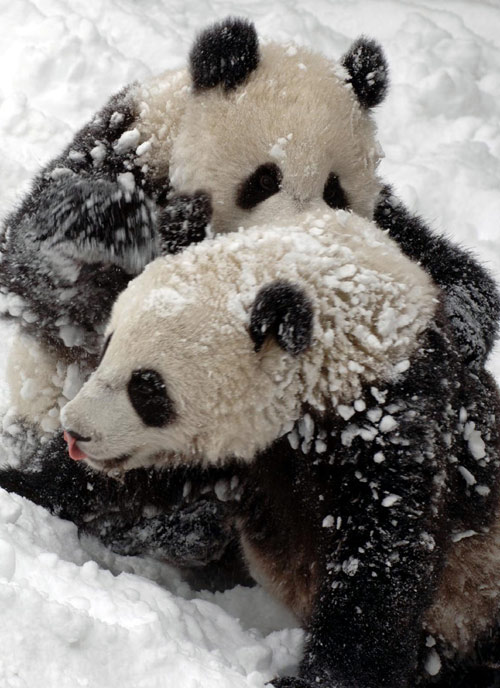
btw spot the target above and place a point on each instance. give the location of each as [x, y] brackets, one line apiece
[267, 130]
[214, 352]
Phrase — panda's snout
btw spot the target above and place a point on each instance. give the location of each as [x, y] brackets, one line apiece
[74, 433]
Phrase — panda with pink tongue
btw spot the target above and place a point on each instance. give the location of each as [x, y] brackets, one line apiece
[341, 383]
[316, 362]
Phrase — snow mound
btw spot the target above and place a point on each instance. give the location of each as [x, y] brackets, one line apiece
[75, 615]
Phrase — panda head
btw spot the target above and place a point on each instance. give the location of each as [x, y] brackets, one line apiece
[213, 353]
[267, 130]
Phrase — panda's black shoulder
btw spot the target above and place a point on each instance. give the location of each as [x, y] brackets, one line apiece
[471, 294]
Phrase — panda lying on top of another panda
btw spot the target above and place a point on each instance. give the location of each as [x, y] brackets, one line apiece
[317, 362]
[122, 192]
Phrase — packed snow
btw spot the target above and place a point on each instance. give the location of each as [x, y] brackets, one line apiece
[73, 614]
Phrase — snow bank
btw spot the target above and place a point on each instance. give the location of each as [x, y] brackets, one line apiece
[72, 613]
[75, 615]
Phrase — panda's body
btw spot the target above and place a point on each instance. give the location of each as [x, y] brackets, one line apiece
[102, 209]
[318, 362]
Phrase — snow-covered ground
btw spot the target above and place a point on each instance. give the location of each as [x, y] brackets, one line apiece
[72, 614]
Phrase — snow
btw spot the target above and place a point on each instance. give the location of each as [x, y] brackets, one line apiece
[433, 663]
[73, 614]
[390, 500]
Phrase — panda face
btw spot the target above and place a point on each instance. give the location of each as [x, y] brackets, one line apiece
[293, 133]
[164, 390]
[214, 351]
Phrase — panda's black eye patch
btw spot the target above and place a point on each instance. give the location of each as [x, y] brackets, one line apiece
[334, 194]
[260, 185]
[148, 395]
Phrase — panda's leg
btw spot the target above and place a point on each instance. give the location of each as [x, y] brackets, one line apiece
[199, 538]
[54, 482]
[472, 297]
[142, 514]
[382, 567]
[93, 220]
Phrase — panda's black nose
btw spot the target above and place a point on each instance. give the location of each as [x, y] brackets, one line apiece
[76, 436]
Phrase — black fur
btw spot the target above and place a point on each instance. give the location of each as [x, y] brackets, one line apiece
[184, 221]
[148, 395]
[377, 564]
[333, 193]
[481, 669]
[224, 54]
[149, 512]
[472, 300]
[368, 71]
[80, 235]
[260, 185]
[283, 311]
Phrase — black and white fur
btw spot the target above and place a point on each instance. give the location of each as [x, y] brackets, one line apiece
[103, 208]
[320, 363]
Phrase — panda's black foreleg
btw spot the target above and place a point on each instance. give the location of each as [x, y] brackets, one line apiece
[64, 487]
[143, 514]
[199, 538]
[472, 298]
[384, 558]
[66, 260]
[93, 221]
[192, 535]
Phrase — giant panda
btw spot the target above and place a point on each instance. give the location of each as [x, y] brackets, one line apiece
[146, 176]
[316, 362]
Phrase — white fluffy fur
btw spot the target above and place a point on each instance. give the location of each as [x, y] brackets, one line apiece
[161, 104]
[187, 317]
[40, 383]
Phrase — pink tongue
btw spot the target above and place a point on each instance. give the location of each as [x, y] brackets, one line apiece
[75, 453]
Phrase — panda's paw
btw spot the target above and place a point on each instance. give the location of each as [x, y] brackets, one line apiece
[94, 221]
[185, 221]
[192, 535]
[195, 535]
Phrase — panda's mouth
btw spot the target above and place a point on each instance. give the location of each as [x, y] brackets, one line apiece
[77, 454]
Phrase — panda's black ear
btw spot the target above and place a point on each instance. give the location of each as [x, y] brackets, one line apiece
[224, 54]
[283, 311]
[368, 71]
